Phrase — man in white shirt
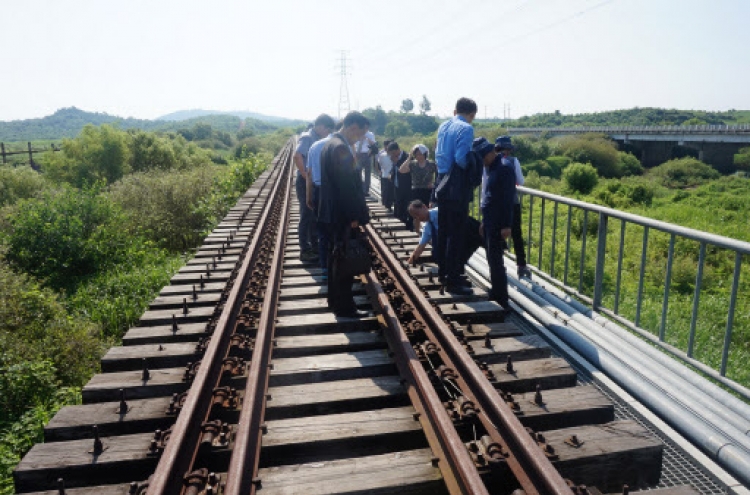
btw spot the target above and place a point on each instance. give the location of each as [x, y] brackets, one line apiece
[385, 167]
[364, 160]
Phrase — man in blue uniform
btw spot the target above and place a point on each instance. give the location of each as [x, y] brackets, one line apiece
[321, 128]
[498, 192]
[454, 141]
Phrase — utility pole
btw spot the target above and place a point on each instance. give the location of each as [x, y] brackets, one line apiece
[343, 65]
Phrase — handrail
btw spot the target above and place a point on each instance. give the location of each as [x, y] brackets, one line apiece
[704, 240]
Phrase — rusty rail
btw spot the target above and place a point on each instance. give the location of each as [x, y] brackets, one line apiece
[527, 461]
[181, 449]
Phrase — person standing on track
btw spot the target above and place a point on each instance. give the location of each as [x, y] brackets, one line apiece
[498, 191]
[322, 127]
[423, 174]
[364, 158]
[454, 141]
[402, 183]
[313, 199]
[342, 208]
[385, 170]
[505, 147]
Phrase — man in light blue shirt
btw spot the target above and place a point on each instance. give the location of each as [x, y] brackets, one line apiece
[454, 141]
[429, 217]
[313, 195]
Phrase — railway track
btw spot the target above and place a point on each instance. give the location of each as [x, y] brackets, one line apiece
[238, 380]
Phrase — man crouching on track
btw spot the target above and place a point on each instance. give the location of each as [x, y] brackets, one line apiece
[498, 196]
[342, 207]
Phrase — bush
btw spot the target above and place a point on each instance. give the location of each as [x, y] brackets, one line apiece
[19, 183]
[629, 164]
[595, 149]
[25, 385]
[35, 327]
[163, 205]
[620, 194]
[580, 177]
[683, 172]
[67, 234]
[97, 154]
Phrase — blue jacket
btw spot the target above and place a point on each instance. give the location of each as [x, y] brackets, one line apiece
[499, 196]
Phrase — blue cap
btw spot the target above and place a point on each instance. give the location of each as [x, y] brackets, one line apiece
[482, 146]
[503, 142]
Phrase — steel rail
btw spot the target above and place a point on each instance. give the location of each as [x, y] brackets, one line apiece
[179, 452]
[458, 470]
[533, 470]
[241, 476]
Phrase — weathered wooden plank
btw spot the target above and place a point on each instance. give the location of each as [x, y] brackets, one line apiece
[211, 252]
[446, 297]
[302, 345]
[315, 305]
[163, 316]
[120, 489]
[123, 459]
[479, 311]
[182, 278]
[294, 293]
[313, 399]
[177, 302]
[517, 348]
[156, 355]
[186, 332]
[320, 438]
[310, 271]
[548, 373]
[564, 408]
[302, 281]
[322, 322]
[143, 415]
[162, 382]
[203, 261]
[187, 289]
[476, 331]
[610, 455]
[327, 367]
[399, 473]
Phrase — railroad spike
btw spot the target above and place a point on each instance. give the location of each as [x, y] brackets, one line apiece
[203, 283]
[538, 400]
[123, 405]
[146, 375]
[625, 490]
[509, 366]
[488, 341]
[174, 324]
[184, 306]
[195, 293]
[133, 488]
[60, 486]
[98, 446]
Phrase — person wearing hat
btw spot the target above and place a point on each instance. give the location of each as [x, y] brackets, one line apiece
[498, 191]
[423, 173]
[505, 147]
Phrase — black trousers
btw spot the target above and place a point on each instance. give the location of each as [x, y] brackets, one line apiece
[494, 245]
[517, 236]
[421, 194]
[387, 192]
[403, 197]
[340, 294]
[450, 246]
[364, 161]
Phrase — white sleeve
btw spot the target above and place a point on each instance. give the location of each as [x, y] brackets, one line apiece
[519, 173]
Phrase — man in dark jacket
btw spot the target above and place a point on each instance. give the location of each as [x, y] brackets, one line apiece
[342, 208]
[402, 184]
[498, 193]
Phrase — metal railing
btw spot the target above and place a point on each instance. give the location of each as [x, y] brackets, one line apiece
[584, 220]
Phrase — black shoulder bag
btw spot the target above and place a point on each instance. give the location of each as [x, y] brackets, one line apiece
[355, 255]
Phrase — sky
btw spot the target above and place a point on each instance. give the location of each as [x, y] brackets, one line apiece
[147, 58]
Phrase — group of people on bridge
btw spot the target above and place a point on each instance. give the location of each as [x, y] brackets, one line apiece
[431, 197]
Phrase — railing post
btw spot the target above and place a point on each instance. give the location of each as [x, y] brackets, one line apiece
[31, 156]
[2, 148]
[601, 251]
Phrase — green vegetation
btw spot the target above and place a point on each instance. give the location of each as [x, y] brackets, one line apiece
[635, 116]
[87, 243]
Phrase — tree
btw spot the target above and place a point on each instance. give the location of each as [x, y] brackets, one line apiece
[397, 128]
[407, 105]
[742, 159]
[580, 177]
[425, 106]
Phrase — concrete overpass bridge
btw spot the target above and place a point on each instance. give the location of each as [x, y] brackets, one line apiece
[713, 144]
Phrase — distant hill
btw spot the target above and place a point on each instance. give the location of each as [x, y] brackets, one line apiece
[68, 122]
[191, 114]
